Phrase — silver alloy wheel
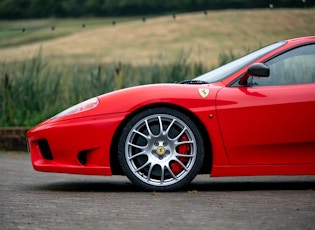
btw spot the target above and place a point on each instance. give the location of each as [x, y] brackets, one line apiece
[160, 150]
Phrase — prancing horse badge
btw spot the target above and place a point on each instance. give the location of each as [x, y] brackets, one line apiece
[204, 92]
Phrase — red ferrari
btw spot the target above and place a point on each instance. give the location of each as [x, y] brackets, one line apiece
[253, 116]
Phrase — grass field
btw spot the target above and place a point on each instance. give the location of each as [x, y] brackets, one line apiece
[133, 41]
[49, 65]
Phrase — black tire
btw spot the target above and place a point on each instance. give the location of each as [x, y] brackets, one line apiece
[158, 159]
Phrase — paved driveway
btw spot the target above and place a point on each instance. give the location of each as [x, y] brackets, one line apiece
[33, 200]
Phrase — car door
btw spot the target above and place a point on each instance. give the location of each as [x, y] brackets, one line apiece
[273, 120]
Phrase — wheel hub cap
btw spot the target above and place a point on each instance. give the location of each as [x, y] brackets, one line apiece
[160, 150]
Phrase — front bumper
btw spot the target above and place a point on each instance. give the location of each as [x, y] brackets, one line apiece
[76, 146]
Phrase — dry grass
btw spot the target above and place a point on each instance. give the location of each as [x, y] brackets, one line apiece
[204, 36]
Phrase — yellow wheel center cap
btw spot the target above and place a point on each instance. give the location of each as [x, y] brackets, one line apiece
[160, 150]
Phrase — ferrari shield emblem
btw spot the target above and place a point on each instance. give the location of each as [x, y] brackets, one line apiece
[204, 92]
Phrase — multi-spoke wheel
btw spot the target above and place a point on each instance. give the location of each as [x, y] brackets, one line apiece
[161, 149]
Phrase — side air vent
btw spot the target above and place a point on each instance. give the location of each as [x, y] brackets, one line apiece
[82, 157]
[45, 149]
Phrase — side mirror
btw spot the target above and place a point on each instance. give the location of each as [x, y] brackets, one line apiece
[258, 70]
[255, 70]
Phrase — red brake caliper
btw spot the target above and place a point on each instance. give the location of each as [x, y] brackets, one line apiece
[182, 149]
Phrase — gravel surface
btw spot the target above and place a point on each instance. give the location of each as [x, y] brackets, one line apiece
[33, 200]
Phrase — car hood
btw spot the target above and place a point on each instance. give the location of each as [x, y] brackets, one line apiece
[126, 100]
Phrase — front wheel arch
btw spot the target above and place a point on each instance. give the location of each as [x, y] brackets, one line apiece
[207, 163]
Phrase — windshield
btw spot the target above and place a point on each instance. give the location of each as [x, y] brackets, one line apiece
[230, 68]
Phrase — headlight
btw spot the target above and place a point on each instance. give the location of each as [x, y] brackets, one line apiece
[81, 107]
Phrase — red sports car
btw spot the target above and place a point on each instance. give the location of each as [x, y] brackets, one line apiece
[253, 116]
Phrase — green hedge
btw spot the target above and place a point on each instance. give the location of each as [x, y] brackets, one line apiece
[19, 9]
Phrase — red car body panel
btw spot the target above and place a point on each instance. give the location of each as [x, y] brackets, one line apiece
[283, 122]
[252, 130]
[93, 132]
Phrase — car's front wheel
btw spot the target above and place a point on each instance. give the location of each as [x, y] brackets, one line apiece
[161, 149]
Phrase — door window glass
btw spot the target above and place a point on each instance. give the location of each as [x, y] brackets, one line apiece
[296, 66]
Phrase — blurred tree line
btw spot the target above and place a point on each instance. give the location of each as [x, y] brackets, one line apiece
[23, 9]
